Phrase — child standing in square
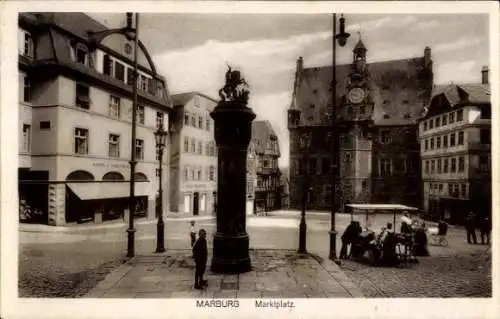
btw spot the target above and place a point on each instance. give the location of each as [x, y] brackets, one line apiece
[192, 233]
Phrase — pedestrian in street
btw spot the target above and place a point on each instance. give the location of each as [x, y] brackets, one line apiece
[485, 229]
[200, 252]
[347, 239]
[470, 226]
[192, 233]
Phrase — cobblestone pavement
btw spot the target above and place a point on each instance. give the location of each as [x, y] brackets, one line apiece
[275, 274]
[435, 276]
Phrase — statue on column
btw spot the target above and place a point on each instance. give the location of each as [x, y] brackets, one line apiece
[235, 88]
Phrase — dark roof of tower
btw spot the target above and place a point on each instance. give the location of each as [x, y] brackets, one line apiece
[360, 46]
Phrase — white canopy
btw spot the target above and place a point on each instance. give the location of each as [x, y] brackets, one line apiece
[373, 207]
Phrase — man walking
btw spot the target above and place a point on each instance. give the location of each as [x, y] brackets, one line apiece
[470, 226]
[200, 253]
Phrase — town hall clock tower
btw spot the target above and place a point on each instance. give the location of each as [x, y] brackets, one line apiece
[356, 111]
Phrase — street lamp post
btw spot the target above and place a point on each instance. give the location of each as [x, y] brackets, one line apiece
[132, 34]
[160, 138]
[305, 190]
[341, 37]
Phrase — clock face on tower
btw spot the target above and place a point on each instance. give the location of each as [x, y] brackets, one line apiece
[356, 95]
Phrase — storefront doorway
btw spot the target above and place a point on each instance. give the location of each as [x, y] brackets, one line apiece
[196, 204]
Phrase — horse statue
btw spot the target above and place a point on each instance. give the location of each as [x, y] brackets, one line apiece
[236, 88]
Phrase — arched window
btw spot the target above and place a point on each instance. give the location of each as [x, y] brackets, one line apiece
[140, 177]
[113, 176]
[80, 176]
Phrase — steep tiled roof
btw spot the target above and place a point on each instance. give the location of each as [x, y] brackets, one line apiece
[397, 89]
[183, 98]
[261, 133]
[74, 22]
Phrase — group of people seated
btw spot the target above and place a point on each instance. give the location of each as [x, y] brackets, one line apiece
[384, 243]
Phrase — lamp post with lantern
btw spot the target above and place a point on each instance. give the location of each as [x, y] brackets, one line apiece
[306, 144]
[160, 139]
[341, 38]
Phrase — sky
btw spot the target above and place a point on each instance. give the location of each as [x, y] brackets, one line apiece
[192, 50]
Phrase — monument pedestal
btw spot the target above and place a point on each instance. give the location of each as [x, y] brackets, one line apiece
[233, 129]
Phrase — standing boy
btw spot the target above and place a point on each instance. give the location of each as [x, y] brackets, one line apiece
[192, 232]
[200, 253]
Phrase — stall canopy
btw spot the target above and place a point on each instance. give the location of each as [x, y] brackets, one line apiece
[375, 207]
[90, 191]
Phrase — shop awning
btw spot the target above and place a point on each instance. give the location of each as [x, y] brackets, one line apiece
[89, 191]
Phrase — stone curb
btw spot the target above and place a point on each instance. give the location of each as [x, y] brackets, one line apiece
[338, 275]
[109, 281]
[37, 228]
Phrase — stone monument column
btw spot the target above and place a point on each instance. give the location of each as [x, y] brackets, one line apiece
[233, 129]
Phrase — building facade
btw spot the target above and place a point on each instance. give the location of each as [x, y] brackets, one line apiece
[267, 151]
[75, 121]
[455, 146]
[378, 107]
[193, 160]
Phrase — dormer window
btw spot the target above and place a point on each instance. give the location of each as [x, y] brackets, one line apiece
[81, 54]
[28, 48]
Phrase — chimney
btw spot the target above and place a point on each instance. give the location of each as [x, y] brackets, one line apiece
[484, 74]
[427, 56]
[300, 65]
